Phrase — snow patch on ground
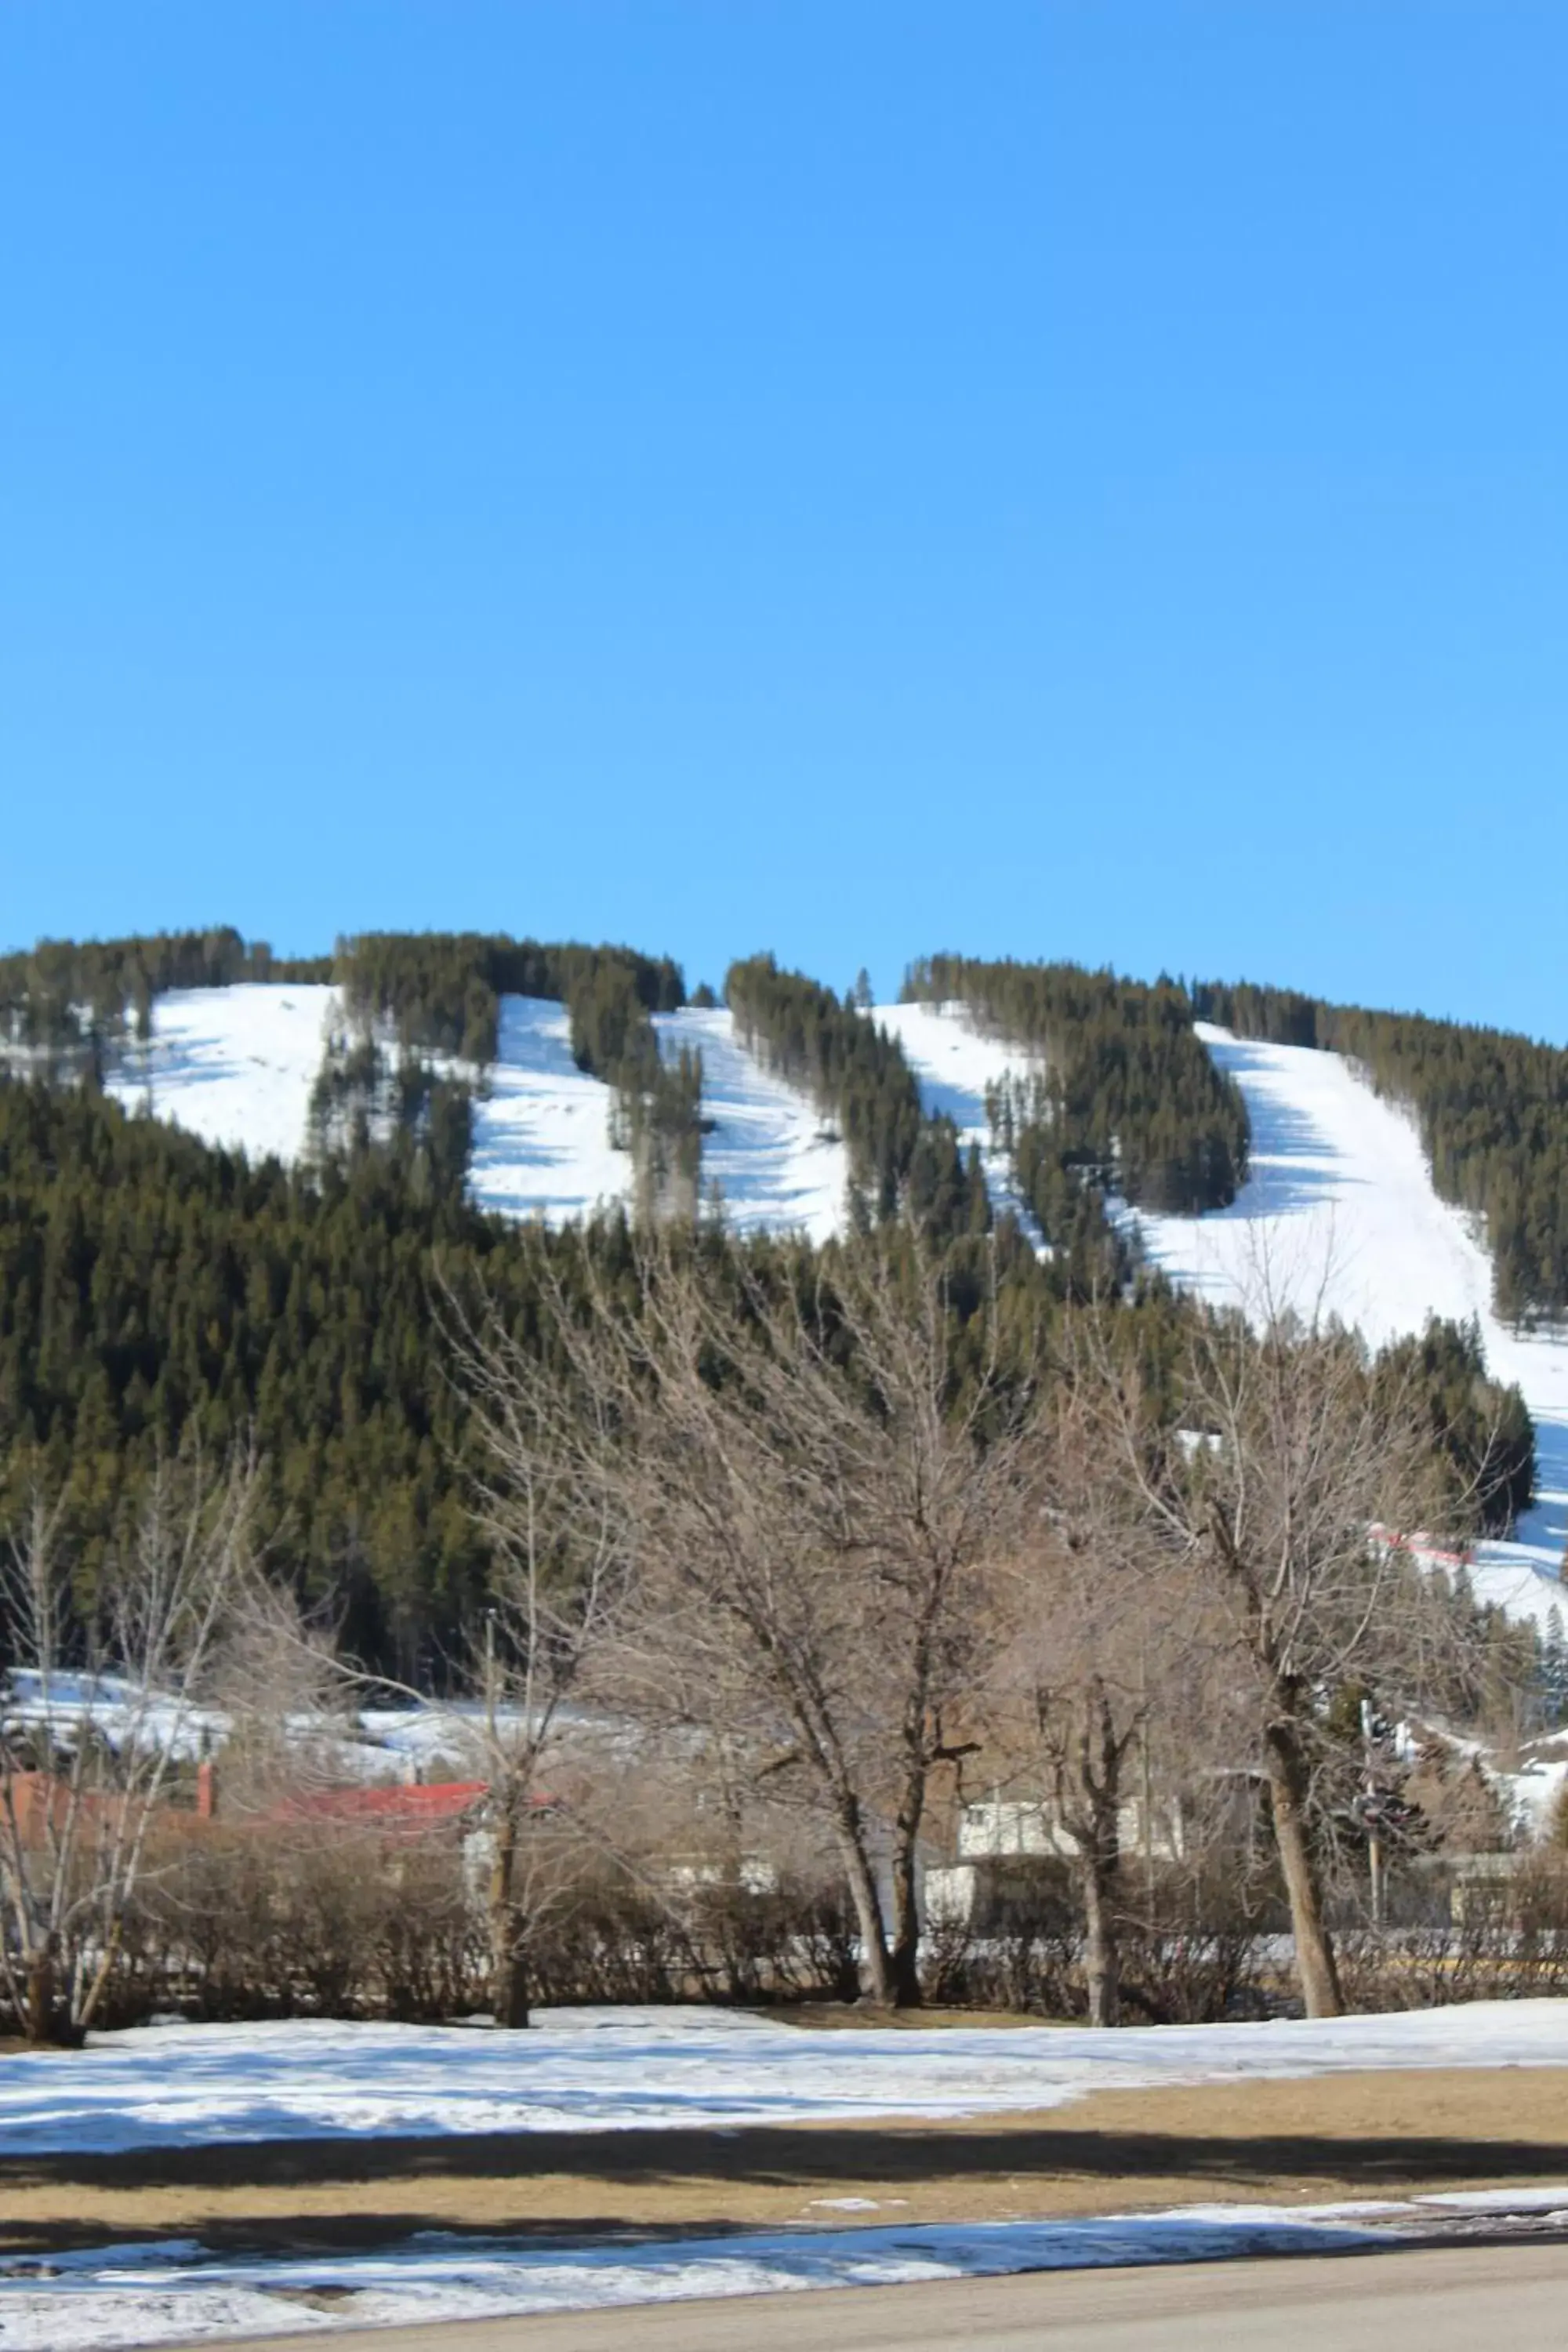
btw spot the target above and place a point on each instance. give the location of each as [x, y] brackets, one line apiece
[625, 2069]
[235, 1065]
[95, 2298]
[631, 2069]
[771, 1154]
[125, 1715]
[125, 2295]
[1339, 1215]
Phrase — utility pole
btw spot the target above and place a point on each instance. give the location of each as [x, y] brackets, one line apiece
[1372, 1814]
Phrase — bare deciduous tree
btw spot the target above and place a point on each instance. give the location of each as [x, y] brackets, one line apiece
[562, 1560]
[1261, 1509]
[95, 1720]
[811, 1490]
[1080, 1665]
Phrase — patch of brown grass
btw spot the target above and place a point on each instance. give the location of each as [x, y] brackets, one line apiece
[1388, 2133]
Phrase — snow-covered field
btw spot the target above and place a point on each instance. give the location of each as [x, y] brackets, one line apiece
[1339, 1215]
[434, 1739]
[124, 1713]
[633, 2069]
[628, 2069]
[234, 1065]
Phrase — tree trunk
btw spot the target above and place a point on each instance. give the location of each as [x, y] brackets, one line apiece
[1102, 1958]
[863, 1895]
[509, 1970]
[903, 1955]
[1315, 1970]
[1090, 1810]
[509, 1974]
[903, 1958]
[41, 1996]
[101, 1974]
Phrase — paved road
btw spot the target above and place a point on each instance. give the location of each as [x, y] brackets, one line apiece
[1450, 2299]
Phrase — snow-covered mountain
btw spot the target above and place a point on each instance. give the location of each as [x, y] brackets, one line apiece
[236, 1066]
[1339, 1214]
[767, 1149]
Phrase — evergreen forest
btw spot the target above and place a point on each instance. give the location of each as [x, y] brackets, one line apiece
[156, 1294]
[65, 999]
[862, 1086]
[1124, 1094]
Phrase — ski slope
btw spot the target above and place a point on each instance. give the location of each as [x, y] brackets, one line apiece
[234, 1065]
[542, 1126]
[955, 1062]
[766, 1147]
[1338, 1217]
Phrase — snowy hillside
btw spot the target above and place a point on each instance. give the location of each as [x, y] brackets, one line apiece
[542, 1126]
[234, 1065]
[954, 1064]
[766, 1146]
[1339, 1215]
[1339, 1211]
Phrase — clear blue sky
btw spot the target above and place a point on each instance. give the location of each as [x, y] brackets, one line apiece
[1080, 478]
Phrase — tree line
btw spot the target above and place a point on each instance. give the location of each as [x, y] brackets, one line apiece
[1492, 1108]
[69, 1006]
[1124, 1096]
[65, 995]
[859, 1080]
[441, 991]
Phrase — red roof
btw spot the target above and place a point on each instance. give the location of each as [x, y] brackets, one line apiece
[415, 1805]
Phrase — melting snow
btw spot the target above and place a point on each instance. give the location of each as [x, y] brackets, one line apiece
[629, 2069]
[145, 2294]
[624, 2069]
